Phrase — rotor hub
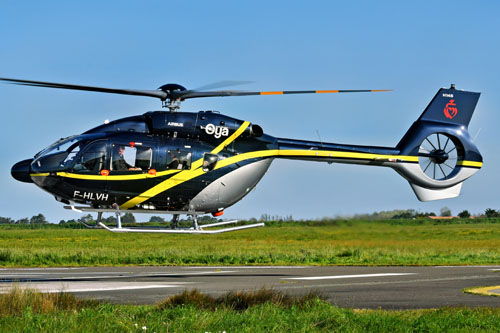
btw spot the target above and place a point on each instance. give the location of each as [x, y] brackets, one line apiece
[439, 156]
[171, 87]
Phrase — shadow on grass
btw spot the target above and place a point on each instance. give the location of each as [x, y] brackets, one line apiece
[239, 300]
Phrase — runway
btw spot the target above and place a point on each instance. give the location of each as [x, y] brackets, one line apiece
[354, 287]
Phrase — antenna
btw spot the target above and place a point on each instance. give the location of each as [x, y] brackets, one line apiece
[477, 134]
[320, 141]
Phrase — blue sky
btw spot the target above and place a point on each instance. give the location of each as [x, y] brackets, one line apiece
[413, 48]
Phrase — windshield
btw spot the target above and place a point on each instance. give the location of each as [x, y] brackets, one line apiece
[59, 155]
[58, 146]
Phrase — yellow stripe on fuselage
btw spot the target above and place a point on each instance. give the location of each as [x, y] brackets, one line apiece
[347, 155]
[470, 164]
[185, 175]
[116, 177]
[254, 154]
[313, 153]
[190, 174]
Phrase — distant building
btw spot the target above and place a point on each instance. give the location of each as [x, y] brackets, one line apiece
[447, 217]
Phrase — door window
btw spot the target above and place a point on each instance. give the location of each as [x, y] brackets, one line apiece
[93, 158]
[131, 158]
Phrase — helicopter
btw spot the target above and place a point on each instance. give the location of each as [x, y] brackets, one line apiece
[197, 163]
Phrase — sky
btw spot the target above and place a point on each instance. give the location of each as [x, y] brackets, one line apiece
[413, 48]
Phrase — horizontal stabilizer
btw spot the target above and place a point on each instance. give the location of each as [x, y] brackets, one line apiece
[425, 194]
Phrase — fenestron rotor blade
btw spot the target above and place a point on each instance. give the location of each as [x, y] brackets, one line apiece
[149, 93]
[221, 93]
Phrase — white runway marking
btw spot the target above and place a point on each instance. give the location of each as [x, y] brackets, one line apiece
[247, 267]
[25, 274]
[88, 289]
[42, 269]
[184, 273]
[468, 266]
[347, 276]
[75, 287]
[98, 276]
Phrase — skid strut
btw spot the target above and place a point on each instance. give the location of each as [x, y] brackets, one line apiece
[175, 219]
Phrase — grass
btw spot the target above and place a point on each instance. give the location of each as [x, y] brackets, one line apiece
[17, 301]
[259, 311]
[392, 242]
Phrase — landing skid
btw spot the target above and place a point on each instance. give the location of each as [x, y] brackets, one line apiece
[196, 229]
[200, 229]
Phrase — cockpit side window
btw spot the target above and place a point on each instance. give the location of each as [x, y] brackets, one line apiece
[92, 159]
[131, 157]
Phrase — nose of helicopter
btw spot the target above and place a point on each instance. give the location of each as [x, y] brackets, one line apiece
[21, 171]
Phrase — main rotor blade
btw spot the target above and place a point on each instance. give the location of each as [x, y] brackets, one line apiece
[150, 93]
[221, 93]
[175, 94]
[221, 84]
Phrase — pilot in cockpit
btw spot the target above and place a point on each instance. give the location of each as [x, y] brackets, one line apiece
[119, 163]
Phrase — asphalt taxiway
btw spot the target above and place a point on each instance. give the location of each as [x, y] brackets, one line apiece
[345, 286]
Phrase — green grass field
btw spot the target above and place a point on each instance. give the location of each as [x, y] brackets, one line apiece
[392, 242]
[35, 312]
[334, 242]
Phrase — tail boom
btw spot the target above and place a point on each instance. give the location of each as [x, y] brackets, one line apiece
[435, 156]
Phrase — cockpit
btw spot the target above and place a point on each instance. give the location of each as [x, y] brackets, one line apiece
[62, 155]
[96, 154]
[119, 154]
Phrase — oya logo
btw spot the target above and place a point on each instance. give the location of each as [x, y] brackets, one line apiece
[216, 131]
[450, 111]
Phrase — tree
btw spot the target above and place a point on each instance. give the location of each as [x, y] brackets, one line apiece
[38, 219]
[87, 219]
[158, 219]
[405, 214]
[109, 220]
[445, 211]
[128, 218]
[6, 220]
[464, 214]
[490, 213]
[23, 221]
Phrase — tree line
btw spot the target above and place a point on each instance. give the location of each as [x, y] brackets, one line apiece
[129, 218]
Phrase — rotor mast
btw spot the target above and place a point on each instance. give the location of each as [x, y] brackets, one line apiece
[172, 104]
[173, 93]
